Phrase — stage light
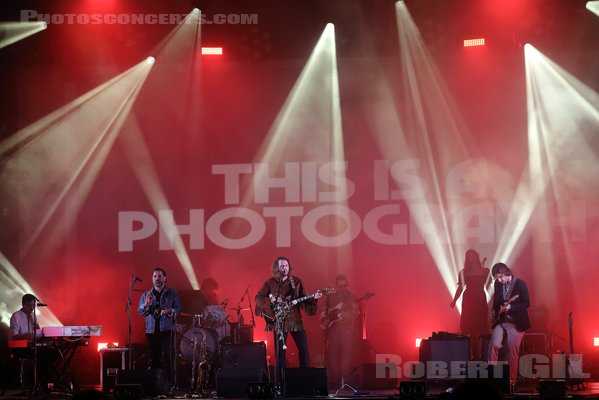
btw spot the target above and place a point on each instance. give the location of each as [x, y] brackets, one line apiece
[593, 6]
[474, 42]
[150, 60]
[107, 345]
[418, 341]
[11, 32]
[433, 128]
[175, 46]
[596, 341]
[12, 287]
[212, 51]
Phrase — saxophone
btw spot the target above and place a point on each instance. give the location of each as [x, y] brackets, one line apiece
[204, 366]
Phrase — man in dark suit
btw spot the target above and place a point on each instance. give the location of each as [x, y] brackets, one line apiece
[510, 317]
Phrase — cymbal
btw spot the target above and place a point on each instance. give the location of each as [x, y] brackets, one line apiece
[239, 309]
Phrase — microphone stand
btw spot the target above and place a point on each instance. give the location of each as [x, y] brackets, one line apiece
[173, 349]
[35, 383]
[252, 320]
[128, 310]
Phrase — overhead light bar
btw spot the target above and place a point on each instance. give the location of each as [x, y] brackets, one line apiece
[474, 42]
[212, 51]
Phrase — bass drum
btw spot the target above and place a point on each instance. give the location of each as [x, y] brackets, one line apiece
[197, 336]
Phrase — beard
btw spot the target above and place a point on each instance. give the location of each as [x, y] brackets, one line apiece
[280, 275]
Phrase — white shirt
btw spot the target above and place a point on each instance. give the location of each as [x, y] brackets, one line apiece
[21, 323]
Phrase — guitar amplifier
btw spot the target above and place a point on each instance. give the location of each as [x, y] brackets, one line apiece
[446, 350]
[244, 356]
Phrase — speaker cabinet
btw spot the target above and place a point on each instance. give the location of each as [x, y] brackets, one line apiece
[233, 383]
[306, 382]
[534, 343]
[446, 351]
[242, 334]
[244, 356]
[153, 382]
[412, 390]
[365, 376]
[552, 389]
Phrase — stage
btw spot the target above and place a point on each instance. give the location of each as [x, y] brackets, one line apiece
[525, 390]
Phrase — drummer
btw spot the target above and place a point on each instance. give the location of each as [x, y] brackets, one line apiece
[210, 289]
[213, 314]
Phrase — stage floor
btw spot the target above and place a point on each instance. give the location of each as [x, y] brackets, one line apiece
[527, 390]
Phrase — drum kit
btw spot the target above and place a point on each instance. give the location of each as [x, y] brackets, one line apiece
[201, 343]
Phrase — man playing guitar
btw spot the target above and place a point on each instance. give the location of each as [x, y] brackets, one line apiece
[510, 305]
[281, 289]
[338, 320]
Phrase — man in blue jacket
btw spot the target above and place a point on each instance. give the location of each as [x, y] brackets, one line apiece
[160, 305]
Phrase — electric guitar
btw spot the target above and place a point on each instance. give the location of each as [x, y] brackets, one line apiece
[575, 375]
[497, 316]
[335, 314]
[281, 310]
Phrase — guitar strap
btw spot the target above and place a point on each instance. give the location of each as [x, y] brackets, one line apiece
[509, 293]
[293, 286]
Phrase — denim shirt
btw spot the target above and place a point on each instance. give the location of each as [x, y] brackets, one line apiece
[169, 299]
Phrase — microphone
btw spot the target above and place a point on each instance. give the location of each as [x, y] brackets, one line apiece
[136, 278]
[39, 303]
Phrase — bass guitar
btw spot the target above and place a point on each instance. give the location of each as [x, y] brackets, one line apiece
[335, 314]
[497, 315]
[281, 310]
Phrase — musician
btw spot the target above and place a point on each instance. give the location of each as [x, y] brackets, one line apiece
[339, 320]
[510, 305]
[282, 286]
[471, 282]
[160, 305]
[23, 324]
[210, 289]
[22, 321]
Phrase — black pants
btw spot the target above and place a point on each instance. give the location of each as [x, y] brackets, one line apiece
[160, 343]
[301, 341]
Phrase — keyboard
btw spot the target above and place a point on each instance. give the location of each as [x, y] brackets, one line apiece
[72, 331]
[46, 342]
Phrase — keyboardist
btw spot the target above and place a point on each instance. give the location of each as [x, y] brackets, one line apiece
[22, 322]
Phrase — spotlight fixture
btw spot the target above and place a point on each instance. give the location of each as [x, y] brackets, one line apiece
[474, 42]
[212, 51]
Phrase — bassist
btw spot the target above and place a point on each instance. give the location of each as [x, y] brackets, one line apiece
[283, 287]
[339, 322]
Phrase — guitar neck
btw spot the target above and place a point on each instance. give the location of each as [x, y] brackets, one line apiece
[323, 292]
[300, 299]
